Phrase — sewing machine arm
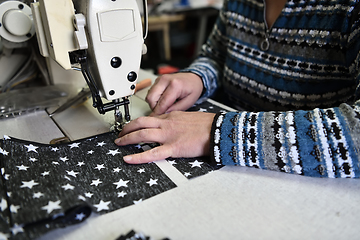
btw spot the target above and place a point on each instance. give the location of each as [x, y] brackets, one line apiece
[103, 39]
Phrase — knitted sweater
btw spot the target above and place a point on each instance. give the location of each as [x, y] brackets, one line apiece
[297, 84]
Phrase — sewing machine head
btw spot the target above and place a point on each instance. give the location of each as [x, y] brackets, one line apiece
[102, 39]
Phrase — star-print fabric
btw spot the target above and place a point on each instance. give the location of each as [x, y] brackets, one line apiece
[193, 167]
[49, 186]
[207, 107]
[43, 187]
[132, 235]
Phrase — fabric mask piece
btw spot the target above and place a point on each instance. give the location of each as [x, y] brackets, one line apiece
[49, 186]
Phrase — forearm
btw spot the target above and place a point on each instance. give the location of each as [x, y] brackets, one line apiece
[319, 143]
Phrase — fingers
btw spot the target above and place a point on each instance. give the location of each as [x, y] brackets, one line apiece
[156, 91]
[146, 130]
[172, 92]
[140, 123]
[165, 92]
[182, 104]
[141, 136]
[154, 154]
[167, 99]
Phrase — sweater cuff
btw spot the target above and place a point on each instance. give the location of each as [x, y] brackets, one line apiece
[215, 158]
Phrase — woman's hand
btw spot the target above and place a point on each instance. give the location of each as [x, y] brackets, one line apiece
[180, 134]
[174, 92]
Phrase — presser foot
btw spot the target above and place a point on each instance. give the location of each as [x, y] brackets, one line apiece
[120, 122]
[117, 127]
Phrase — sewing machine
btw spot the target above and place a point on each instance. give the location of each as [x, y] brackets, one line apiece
[102, 39]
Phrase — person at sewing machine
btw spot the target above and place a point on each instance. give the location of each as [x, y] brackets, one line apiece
[291, 68]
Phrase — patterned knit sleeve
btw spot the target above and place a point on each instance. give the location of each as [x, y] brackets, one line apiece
[210, 61]
[318, 143]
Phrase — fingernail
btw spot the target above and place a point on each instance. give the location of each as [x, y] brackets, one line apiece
[127, 158]
[117, 141]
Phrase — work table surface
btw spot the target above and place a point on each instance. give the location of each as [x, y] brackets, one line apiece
[229, 203]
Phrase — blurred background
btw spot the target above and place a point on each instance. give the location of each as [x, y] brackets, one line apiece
[185, 24]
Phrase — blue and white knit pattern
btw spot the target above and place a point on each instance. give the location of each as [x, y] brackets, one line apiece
[300, 93]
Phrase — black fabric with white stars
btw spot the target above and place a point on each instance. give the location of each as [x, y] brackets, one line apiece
[192, 167]
[45, 184]
[206, 107]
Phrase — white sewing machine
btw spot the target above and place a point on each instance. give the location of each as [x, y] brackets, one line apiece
[102, 39]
